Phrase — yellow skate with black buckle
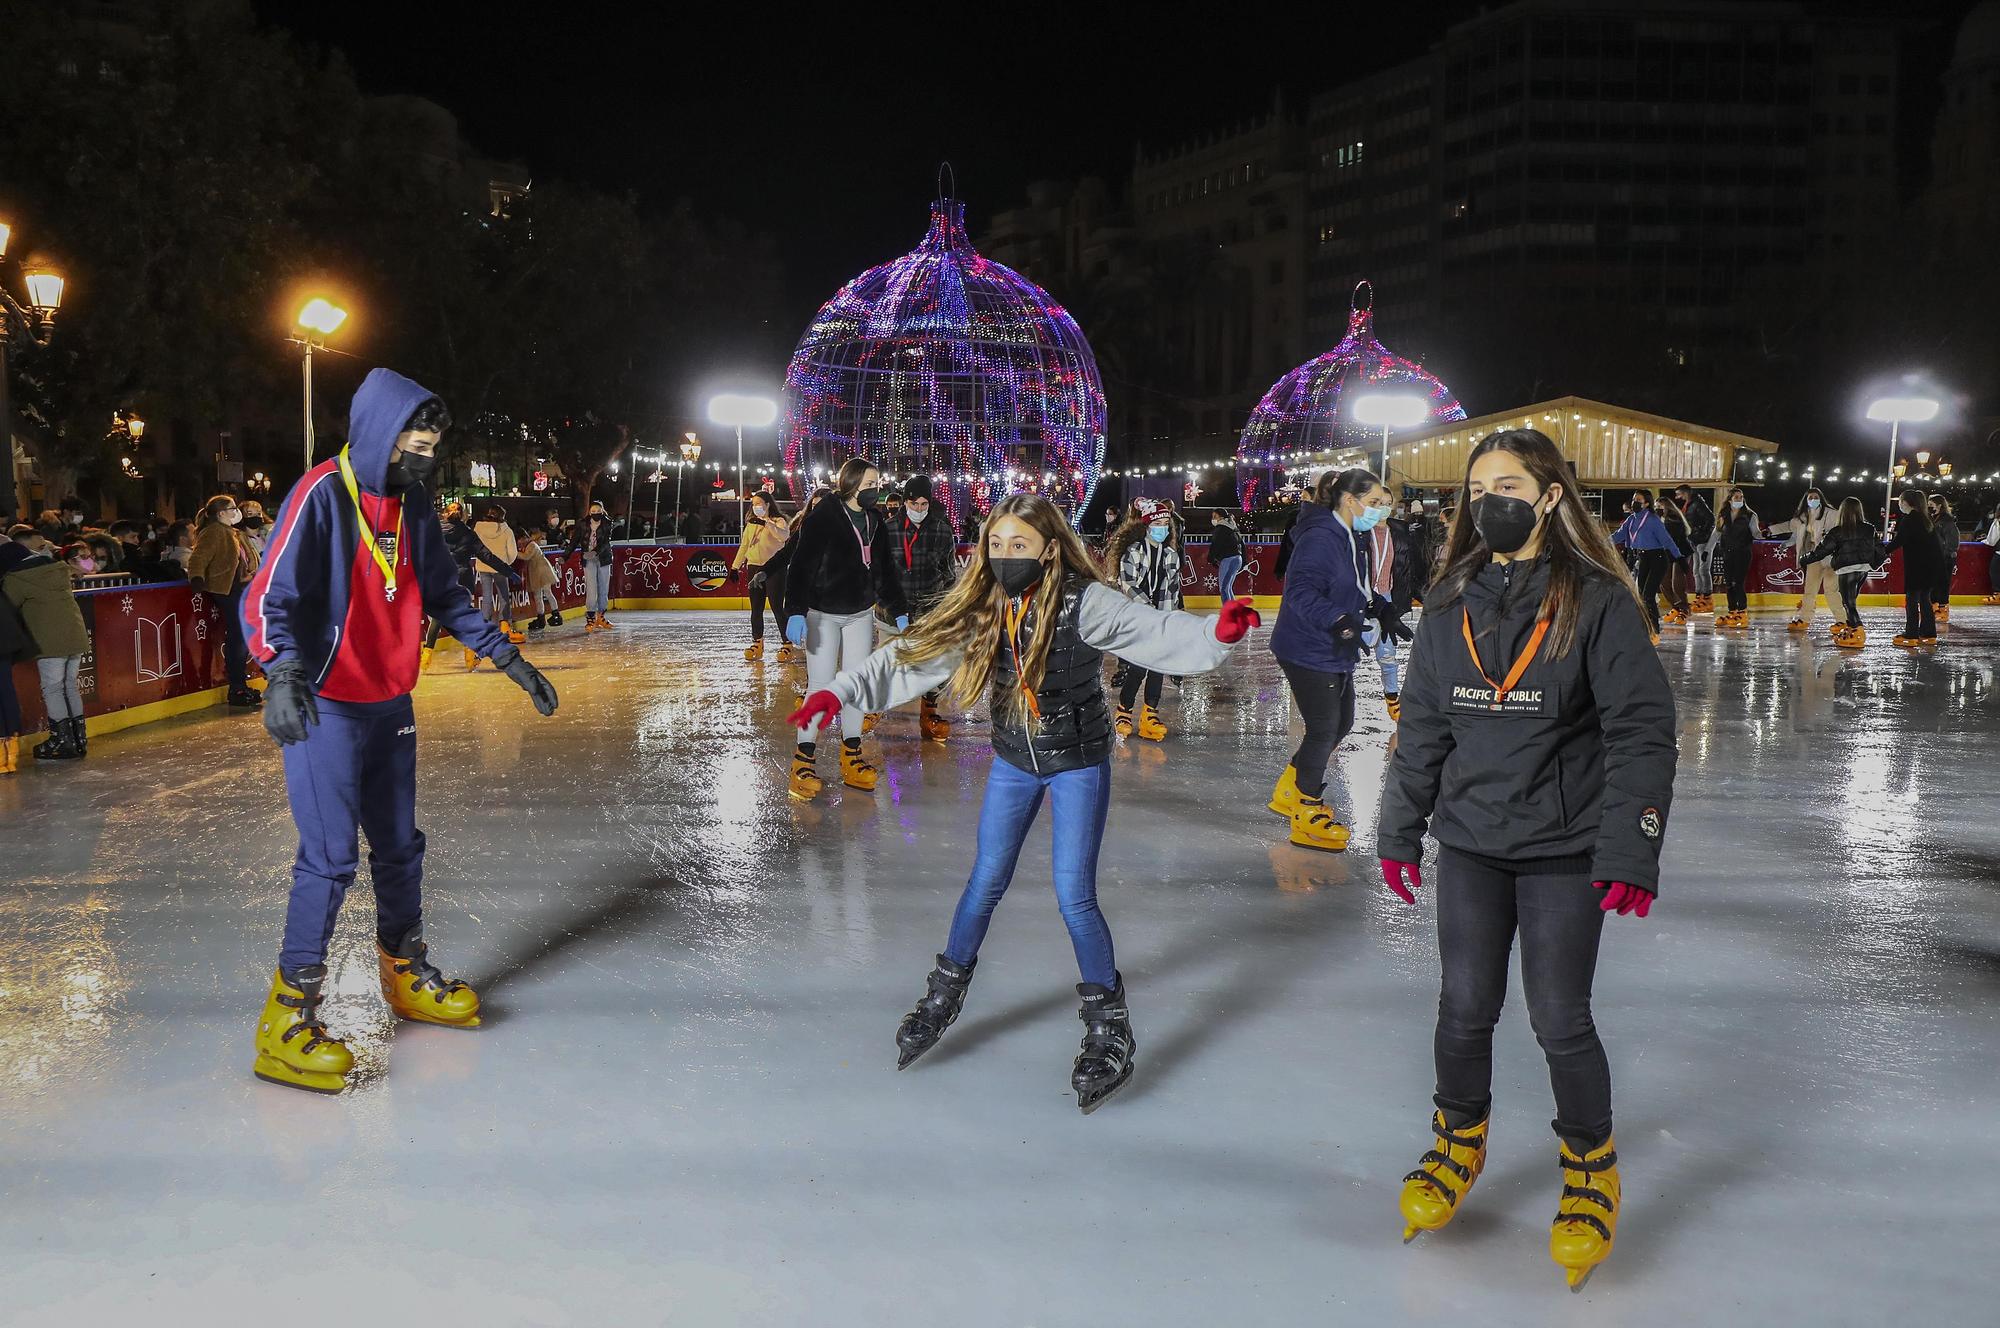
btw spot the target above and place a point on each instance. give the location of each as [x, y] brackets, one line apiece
[293, 1047]
[805, 782]
[855, 772]
[1587, 1218]
[416, 990]
[1443, 1175]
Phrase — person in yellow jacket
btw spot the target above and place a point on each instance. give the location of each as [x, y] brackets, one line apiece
[762, 550]
[221, 564]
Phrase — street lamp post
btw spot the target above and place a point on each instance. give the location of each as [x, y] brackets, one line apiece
[739, 411]
[1896, 412]
[37, 321]
[1390, 410]
[323, 316]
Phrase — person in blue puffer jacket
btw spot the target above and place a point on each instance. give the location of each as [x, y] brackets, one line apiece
[1646, 538]
[1324, 623]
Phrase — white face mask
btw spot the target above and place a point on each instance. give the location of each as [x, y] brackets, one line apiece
[917, 514]
[234, 516]
[1736, 504]
[1812, 504]
[177, 554]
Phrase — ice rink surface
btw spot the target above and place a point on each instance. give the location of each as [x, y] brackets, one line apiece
[683, 1107]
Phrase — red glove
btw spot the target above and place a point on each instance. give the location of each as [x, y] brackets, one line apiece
[1625, 898]
[820, 709]
[1235, 621]
[1395, 873]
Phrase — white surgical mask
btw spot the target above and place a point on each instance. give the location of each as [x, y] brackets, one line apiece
[233, 516]
[1157, 534]
[758, 509]
[1813, 504]
[917, 514]
[1736, 504]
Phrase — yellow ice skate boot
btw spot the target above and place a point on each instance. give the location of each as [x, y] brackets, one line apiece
[1943, 614]
[424, 661]
[1394, 702]
[1285, 797]
[1587, 1218]
[855, 772]
[1122, 722]
[293, 1046]
[513, 633]
[932, 724]
[1443, 1175]
[755, 652]
[785, 655]
[415, 989]
[870, 721]
[1313, 826]
[1850, 638]
[10, 755]
[1796, 625]
[806, 783]
[1150, 727]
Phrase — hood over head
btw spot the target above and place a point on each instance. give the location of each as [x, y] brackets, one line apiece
[382, 406]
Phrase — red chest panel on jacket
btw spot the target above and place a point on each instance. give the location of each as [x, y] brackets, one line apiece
[381, 640]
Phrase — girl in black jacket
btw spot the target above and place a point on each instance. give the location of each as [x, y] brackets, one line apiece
[1923, 565]
[1736, 530]
[1851, 547]
[843, 565]
[1537, 746]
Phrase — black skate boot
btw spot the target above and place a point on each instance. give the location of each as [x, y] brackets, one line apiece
[555, 619]
[936, 1011]
[1105, 1062]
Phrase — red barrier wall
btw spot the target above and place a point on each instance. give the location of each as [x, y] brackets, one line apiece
[148, 643]
[1773, 571]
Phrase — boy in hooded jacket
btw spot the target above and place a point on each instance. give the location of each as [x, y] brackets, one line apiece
[335, 616]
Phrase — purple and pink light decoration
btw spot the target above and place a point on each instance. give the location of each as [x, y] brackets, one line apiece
[948, 364]
[1309, 410]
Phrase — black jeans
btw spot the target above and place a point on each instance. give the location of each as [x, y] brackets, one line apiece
[1941, 589]
[1480, 908]
[1653, 565]
[1850, 594]
[235, 649]
[1128, 689]
[1736, 572]
[1326, 704]
[767, 586]
[1919, 612]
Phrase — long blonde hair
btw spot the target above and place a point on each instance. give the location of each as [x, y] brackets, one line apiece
[970, 618]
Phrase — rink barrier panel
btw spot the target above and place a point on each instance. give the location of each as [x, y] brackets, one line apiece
[157, 650]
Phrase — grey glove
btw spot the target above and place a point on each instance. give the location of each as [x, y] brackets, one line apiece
[527, 677]
[290, 708]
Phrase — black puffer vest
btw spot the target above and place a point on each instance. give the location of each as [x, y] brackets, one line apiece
[1075, 728]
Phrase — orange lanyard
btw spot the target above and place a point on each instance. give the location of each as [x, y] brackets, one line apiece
[1017, 613]
[1502, 690]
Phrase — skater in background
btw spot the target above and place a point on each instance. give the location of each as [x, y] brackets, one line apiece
[1028, 625]
[1393, 563]
[1145, 555]
[1736, 531]
[16, 646]
[1992, 541]
[1675, 588]
[461, 543]
[1645, 540]
[1537, 746]
[1225, 550]
[336, 617]
[1945, 522]
[221, 565]
[1923, 564]
[1808, 529]
[843, 565]
[541, 582]
[42, 590]
[493, 560]
[592, 538]
[927, 561]
[1850, 548]
[1324, 623]
[1701, 535]
[765, 534]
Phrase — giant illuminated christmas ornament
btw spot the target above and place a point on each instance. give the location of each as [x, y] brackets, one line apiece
[948, 364]
[1311, 409]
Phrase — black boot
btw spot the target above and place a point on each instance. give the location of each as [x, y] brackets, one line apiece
[1105, 1062]
[60, 745]
[555, 619]
[79, 737]
[936, 1011]
[244, 698]
[536, 623]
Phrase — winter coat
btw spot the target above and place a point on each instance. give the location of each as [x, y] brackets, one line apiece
[1223, 543]
[1949, 539]
[1846, 549]
[15, 642]
[462, 543]
[496, 552]
[1736, 533]
[592, 543]
[1923, 557]
[222, 559]
[1644, 532]
[1807, 530]
[1701, 521]
[763, 539]
[42, 590]
[828, 572]
[1152, 572]
[1326, 596]
[1074, 730]
[1574, 766]
[926, 558]
[541, 576]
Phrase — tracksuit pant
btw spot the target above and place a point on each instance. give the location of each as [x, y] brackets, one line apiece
[356, 772]
[836, 641]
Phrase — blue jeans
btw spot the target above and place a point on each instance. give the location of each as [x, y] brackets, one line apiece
[1225, 577]
[1079, 800]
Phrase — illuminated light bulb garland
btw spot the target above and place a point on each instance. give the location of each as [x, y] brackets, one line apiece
[1305, 413]
[946, 363]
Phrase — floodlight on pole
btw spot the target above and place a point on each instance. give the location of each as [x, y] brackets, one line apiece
[739, 412]
[1390, 410]
[1896, 412]
[323, 316]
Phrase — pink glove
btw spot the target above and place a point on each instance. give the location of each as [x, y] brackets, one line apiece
[1625, 898]
[1235, 621]
[1395, 873]
[819, 710]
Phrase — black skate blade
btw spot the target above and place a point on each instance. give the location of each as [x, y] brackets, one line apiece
[1089, 1102]
[303, 1088]
[906, 1058]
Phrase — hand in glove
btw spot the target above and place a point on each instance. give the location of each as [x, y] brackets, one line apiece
[1235, 621]
[527, 677]
[1371, 632]
[795, 629]
[1347, 630]
[290, 708]
[819, 710]
[1402, 878]
[902, 622]
[1625, 898]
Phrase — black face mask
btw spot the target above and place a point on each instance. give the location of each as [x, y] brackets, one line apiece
[408, 468]
[868, 498]
[1017, 576]
[1504, 523]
